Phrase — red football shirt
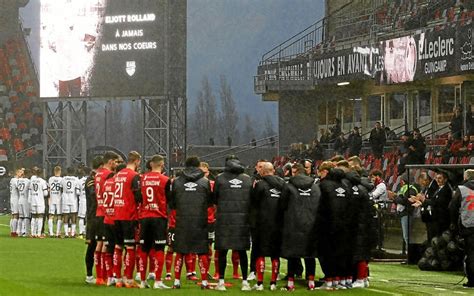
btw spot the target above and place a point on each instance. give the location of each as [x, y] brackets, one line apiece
[211, 211]
[172, 219]
[153, 185]
[108, 199]
[100, 177]
[124, 204]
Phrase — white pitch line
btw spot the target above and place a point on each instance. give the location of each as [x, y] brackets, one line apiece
[5, 225]
[459, 292]
[384, 292]
[440, 289]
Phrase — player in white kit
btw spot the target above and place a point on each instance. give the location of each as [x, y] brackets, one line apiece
[71, 192]
[55, 196]
[23, 185]
[81, 214]
[38, 192]
[14, 206]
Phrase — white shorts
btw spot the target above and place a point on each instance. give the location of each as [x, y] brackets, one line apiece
[24, 209]
[55, 209]
[69, 209]
[82, 208]
[14, 206]
[37, 209]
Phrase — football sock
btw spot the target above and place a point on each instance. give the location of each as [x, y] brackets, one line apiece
[102, 266]
[169, 261]
[203, 266]
[362, 270]
[90, 258]
[50, 226]
[109, 265]
[66, 230]
[40, 225]
[14, 225]
[73, 230]
[58, 227]
[275, 269]
[138, 251]
[189, 263]
[260, 268]
[82, 226]
[178, 265]
[129, 263]
[142, 264]
[27, 226]
[159, 262]
[118, 253]
[33, 226]
[98, 264]
[152, 260]
[19, 226]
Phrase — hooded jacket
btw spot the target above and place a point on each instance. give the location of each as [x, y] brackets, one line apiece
[336, 214]
[266, 198]
[232, 197]
[364, 225]
[190, 197]
[300, 204]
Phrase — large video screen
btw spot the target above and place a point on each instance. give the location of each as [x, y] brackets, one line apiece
[102, 48]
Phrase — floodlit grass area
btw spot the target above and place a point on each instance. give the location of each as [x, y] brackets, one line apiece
[56, 267]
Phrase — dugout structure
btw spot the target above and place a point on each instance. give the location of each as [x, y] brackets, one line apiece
[161, 90]
[455, 174]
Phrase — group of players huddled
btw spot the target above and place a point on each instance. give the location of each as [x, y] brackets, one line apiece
[65, 202]
[132, 216]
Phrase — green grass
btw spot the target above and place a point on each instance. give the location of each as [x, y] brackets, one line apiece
[56, 267]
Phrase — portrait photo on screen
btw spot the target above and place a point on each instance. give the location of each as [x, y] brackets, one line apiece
[101, 48]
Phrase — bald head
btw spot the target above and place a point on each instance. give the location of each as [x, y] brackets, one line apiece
[267, 169]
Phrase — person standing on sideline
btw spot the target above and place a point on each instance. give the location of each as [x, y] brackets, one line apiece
[462, 217]
[267, 240]
[190, 198]
[232, 197]
[300, 201]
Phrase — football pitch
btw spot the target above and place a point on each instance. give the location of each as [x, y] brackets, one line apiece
[56, 267]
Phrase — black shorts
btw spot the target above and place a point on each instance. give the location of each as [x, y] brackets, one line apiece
[170, 240]
[153, 231]
[90, 228]
[99, 234]
[125, 232]
[110, 235]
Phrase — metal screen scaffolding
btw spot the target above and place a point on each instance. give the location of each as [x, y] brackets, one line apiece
[65, 127]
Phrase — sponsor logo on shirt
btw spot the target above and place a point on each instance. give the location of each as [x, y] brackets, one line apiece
[355, 190]
[235, 183]
[306, 192]
[340, 192]
[274, 192]
[190, 186]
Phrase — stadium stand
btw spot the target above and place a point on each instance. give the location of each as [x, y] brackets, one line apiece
[20, 114]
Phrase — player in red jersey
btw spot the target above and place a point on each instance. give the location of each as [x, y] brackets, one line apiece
[152, 214]
[102, 174]
[127, 197]
[109, 228]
